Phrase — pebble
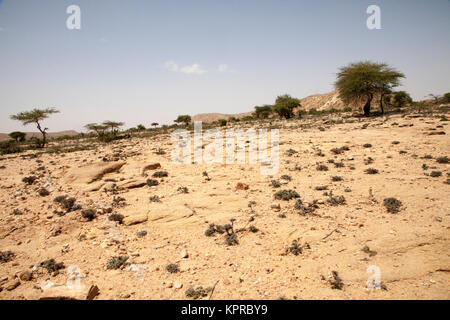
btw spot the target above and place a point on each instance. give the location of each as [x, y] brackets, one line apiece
[177, 285]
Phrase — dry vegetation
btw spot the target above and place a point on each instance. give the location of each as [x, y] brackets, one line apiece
[134, 222]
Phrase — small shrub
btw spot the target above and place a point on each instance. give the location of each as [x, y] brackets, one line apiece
[43, 192]
[435, 174]
[336, 178]
[275, 184]
[172, 268]
[336, 201]
[183, 190]
[367, 145]
[51, 265]
[6, 256]
[29, 180]
[152, 182]
[160, 174]
[392, 205]
[443, 160]
[116, 217]
[88, 214]
[197, 293]
[336, 282]
[286, 195]
[371, 171]
[141, 234]
[155, 199]
[116, 262]
[322, 167]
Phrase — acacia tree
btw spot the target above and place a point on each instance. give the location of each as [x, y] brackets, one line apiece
[113, 125]
[400, 99]
[361, 81]
[17, 136]
[446, 97]
[186, 119]
[263, 112]
[36, 116]
[285, 105]
[99, 129]
[155, 124]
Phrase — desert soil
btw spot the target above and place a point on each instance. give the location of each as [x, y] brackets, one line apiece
[410, 247]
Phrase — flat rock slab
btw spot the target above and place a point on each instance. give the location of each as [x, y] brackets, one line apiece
[133, 184]
[91, 173]
[135, 219]
[65, 293]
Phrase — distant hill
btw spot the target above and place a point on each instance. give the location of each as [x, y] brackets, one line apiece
[211, 117]
[4, 136]
[325, 101]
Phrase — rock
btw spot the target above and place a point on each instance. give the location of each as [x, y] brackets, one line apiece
[25, 276]
[132, 184]
[152, 166]
[91, 173]
[136, 219]
[178, 285]
[275, 206]
[66, 293]
[184, 254]
[12, 285]
[242, 186]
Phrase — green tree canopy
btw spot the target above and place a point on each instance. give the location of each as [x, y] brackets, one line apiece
[97, 128]
[113, 125]
[262, 112]
[17, 136]
[361, 81]
[35, 116]
[446, 97]
[400, 99]
[186, 119]
[285, 105]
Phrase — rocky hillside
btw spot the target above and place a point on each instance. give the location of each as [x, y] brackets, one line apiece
[319, 102]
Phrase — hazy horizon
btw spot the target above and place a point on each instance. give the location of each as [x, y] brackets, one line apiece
[149, 61]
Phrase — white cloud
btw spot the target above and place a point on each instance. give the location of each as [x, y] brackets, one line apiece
[222, 68]
[171, 65]
[192, 69]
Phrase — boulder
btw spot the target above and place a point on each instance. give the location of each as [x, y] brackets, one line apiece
[135, 219]
[91, 173]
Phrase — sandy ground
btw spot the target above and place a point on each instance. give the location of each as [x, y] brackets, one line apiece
[410, 248]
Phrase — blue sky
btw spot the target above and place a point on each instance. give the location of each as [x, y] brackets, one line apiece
[142, 61]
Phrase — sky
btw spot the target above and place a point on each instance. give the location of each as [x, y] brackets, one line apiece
[144, 61]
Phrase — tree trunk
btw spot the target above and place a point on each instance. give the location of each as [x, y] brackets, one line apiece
[381, 104]
[367, 106]
[44, 134]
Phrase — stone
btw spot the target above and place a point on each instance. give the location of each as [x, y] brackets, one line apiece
[66, 293]
[184, 254]
[25, 276]
[152, 166]
[136, 219]
[178, 285]
[91, 173]
[275, 206]
[12, 285]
